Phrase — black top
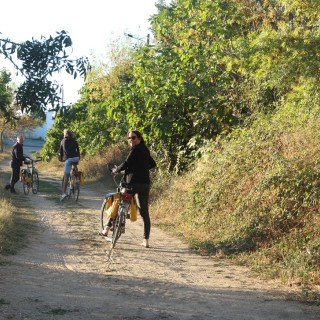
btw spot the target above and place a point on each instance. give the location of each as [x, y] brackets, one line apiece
[17, 155]
[69, 148]
[137, 165]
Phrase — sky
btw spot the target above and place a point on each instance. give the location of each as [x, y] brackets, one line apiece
[91, 24]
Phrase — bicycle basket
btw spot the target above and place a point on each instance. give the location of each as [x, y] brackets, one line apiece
[81, 175]
[133, 210]
[112, 204]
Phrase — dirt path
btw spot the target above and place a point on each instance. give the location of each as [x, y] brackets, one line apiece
[63, 274]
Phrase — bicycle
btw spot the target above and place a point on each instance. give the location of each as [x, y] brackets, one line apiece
[122, 213]
[30, 176]
[73, 187]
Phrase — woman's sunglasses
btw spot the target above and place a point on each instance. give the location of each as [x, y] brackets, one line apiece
[132, 138]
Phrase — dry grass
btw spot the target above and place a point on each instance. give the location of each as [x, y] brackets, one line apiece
[14, 220]
[95, 168]
[255, 198]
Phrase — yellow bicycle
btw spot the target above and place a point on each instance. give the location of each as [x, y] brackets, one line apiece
[30, 176]
[121, 212]
[74, 183]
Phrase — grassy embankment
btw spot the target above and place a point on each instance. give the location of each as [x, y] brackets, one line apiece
[255, 198]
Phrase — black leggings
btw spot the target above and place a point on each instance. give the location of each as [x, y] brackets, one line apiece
[142, 193]
[142, 196]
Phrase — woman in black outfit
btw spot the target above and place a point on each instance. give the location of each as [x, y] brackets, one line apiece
[136, 167]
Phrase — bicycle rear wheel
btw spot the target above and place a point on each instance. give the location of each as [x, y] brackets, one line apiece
[76, 189]
[35, 182]
[103, 216]
[25, 184]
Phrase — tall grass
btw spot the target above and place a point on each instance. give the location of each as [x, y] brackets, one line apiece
[255, 197]
[16, 220]
[97, 167]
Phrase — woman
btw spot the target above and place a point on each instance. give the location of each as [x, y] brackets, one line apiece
[136, 167]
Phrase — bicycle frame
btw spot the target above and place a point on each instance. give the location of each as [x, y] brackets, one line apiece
[73, 187]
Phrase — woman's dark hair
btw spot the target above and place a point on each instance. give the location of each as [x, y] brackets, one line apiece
[139, 136]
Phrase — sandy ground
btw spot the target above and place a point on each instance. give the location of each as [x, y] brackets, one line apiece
[64, 273]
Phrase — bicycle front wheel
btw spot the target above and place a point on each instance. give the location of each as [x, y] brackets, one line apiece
[35, 182]
[25, 184]
[76, 189]
[68, 191]
[117, 228]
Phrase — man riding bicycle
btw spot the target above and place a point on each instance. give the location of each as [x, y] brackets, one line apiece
[69, 152]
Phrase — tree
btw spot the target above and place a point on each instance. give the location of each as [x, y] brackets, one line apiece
[181, 90]
[11, 121]
[37, 61]
[5, 103]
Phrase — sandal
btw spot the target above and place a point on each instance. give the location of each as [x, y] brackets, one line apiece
[144, 245]
[104, 232]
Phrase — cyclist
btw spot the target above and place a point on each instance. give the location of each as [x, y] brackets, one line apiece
[137, 166]
[16, 162]
[69, 152]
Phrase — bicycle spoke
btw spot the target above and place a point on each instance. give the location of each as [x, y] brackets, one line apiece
[35, 182]
[76, 189]
[25, 184]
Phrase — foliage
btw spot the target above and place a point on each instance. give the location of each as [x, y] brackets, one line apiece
[212, 64]
[11, 120]
[5, 94]
[178, 95]
[87, 118]
[40, 59]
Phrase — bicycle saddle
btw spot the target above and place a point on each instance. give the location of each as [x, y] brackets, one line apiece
[126, 185]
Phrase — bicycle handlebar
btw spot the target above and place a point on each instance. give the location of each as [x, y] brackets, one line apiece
[111, 166]
[121, 183]
[32, 160]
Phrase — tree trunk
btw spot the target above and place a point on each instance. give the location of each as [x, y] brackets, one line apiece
[1, 141]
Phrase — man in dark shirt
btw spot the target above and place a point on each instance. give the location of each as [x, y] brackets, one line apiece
[16, 162]
[69, 152]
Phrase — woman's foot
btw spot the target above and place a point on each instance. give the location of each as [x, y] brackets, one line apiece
[105, 231]
[145, 243]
